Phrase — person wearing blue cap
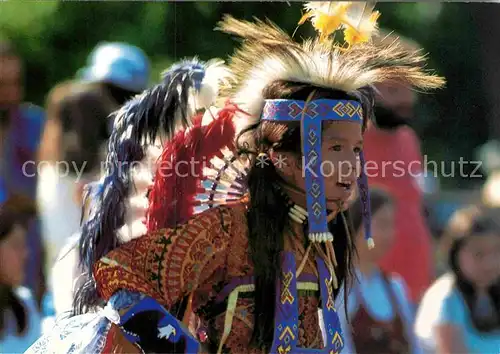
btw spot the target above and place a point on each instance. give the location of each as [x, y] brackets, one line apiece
[74, 146]
[120, 65]
[78, 109]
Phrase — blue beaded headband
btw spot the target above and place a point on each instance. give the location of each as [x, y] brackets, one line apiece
[311, 114]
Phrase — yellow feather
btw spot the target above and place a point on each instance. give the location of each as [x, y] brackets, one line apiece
[365, 30]
[304, 18]
[356, 19]
[326, 17]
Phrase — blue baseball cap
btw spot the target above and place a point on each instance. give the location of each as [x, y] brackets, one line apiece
[120, 64]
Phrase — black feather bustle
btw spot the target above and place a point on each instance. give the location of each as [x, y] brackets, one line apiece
[158, 111]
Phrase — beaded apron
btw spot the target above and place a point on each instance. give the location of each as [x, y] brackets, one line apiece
[287, 311]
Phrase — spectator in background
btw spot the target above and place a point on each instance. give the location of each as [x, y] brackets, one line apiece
[77, 130]
[19, 316]
[380, 315]
[21, 126]
[460, 313]
[78, 126]
[394, 163]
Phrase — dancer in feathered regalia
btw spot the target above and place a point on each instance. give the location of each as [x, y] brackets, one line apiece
[240, 236]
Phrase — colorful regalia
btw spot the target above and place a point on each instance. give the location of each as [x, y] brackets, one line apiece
[218, 246]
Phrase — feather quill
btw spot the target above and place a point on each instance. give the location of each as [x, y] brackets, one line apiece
[174, 192]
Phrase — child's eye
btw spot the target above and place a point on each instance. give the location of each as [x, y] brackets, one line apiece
[358, 150]
[336, 148]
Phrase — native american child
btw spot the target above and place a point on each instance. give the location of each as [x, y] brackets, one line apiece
[239, 242]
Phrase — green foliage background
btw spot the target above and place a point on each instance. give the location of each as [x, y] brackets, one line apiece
[55, 38]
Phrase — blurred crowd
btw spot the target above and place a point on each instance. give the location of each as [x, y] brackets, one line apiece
[423, 289]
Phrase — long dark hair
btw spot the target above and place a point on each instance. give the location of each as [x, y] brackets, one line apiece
[267, 216]
[17, 210]
[473, 221]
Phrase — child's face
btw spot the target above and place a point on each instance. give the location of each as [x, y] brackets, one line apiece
[341, 144]
[479, 259]
[382, 233]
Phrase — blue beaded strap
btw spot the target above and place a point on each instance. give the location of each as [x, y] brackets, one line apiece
[364, 193]
[286, 318]
[287, 311]
[333, 329]
[283, 110]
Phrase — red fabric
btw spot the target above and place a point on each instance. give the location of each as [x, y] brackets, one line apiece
[391, 154]
[181, 166]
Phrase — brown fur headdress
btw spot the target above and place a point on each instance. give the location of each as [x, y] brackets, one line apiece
[268, 54]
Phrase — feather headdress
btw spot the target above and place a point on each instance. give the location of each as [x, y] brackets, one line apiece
[268, 54]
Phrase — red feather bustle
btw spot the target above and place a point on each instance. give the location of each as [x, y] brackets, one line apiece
[180, 168]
